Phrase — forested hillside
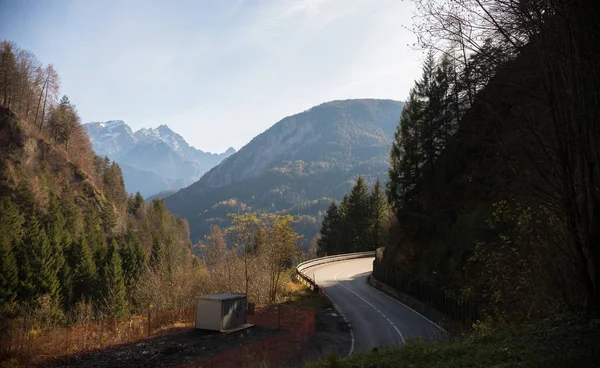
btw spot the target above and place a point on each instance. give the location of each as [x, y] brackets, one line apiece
[495, 168]
[295, 167]
[71, 238]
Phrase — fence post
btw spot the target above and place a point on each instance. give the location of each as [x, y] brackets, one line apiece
[149, 323]
[67, 341]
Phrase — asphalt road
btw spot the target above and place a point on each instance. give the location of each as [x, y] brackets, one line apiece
[376, 319]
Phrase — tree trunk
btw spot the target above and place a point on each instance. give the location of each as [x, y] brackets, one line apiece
[37, 109]
[43, 111]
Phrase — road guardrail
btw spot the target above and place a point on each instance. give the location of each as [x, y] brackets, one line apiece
[308, 281]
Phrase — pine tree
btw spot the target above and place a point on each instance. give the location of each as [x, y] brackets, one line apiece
[27, 259]
[358, 216]
[135, 204]
[95, 240]
[57, 233]
[132, 257]
[11, 233]
[406, 156]
[107, 214]
[345, 243]
[84, 270]
[71, 213]
[115, 294]
[45, 273]
[328, 243]
[378, 206]
[156, 255]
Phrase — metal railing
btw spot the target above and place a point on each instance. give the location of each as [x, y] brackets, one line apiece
[308, 281]
[433, 295]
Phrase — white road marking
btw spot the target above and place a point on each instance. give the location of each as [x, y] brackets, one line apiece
[345, 320]
[406, 306]
[372, 306]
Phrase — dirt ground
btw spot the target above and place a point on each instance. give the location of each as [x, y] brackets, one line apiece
[176, 347]
[187, 345]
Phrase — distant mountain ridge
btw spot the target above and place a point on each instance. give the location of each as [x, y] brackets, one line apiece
[153, 160]
[297, 166]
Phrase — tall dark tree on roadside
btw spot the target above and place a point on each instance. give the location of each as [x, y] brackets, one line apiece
[379, 209]
[406, 154]
[358, 216]
[329, 240]
[345, 243]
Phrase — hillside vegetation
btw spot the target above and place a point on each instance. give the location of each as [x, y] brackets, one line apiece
[296, 167]
[76, 249]
[72, 241]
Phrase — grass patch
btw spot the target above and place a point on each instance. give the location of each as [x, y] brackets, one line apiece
[564, 342]
[302, 296]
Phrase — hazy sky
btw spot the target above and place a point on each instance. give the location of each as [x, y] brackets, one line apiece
[217, 72]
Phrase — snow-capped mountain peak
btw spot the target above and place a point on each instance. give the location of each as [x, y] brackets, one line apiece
[159, 150]
[110, 124]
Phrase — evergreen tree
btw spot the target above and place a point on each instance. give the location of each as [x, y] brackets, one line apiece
[45, 273]
[345, 243]
[358, 216]
[57, 234]
[132, 257]
[27, 259]
[328, 243]
[95, 239]
[115, 294]
[378, 214]
[135, 204]
[406, 156]
[156, 255]
[84, 270]
[428, 119]
[107, 214]
[11, 233]
[71, 213]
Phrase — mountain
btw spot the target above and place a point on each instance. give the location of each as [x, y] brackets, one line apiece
[297, 166]
[152, 160]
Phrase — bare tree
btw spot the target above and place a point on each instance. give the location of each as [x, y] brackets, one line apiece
[48, 92]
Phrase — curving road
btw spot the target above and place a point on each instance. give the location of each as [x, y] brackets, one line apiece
[376, 319]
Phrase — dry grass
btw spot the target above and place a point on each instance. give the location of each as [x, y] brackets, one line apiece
[26, 345]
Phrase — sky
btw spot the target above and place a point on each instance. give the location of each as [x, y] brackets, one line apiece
[217, 72]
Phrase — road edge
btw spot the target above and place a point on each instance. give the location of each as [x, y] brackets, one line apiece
[337, 308]
[430, 314]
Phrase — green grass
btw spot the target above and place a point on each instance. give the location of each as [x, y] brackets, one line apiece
[566, 342]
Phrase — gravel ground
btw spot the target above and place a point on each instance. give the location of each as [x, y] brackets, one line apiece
[332, 336]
